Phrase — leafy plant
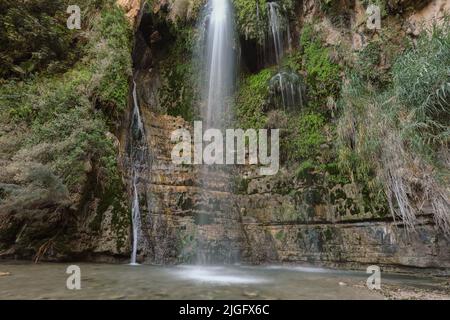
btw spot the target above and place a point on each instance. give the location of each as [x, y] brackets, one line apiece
[322, 75]
[252, 98]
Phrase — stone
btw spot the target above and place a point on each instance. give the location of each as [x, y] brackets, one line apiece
[132, 8]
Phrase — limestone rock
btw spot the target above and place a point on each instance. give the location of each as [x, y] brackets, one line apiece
[132, 8]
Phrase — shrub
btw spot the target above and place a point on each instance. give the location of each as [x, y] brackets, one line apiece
[60, 127]
[111, 53]
[251, 100]
[309, 135]
[252, 17]
[178, 92]
[323, 75]
[398, 138]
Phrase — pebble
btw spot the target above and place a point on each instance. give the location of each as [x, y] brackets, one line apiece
[250, 294]
[342, 283]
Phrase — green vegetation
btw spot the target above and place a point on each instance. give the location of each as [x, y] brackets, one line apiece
[251, 100]
[322, 74]
[111, 50]
[396, 138]
[252, 16]
[309, 128]
[303, 131]
[178, 92]
[37, 37]
[62, 120]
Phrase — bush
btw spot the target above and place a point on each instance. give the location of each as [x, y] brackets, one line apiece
[60, 127]
[252, 17]
[36, 37]
[111, 51]
[323, 75]
[251, 100]
[178, 92]
[397, 139]
[309, 135]
[421, 79]
[35, 33]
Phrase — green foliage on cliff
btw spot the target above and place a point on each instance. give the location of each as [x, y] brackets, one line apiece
[111, 52]
[34, 36]
[421, 81]
[251, 99]
[178, 93]
[309, 131]
[322, 74]
[63, 119]
[252, 17]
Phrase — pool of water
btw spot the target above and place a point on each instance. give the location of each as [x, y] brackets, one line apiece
[109, 281]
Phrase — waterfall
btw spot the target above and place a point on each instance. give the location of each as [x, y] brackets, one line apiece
[137, 124]
[138, 158]
[136, 217]
[286, 83]
[276, 29]
[219, 60]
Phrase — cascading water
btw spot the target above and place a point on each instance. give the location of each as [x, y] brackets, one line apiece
[136, 217]
[288, 86]
[276, 29]
[217, 59]
[138, 158]
[137, 124]
[286, 83]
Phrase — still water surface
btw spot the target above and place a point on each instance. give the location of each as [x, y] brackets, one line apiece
[109, 281]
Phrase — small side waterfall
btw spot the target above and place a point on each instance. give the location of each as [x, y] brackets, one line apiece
[137, 124]
[276, 29]
[136, 218]
[286, 84]
[138, 156]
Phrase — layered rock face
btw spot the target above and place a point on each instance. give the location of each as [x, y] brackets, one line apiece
[186, 216]
[264, 221]
[332, 228]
